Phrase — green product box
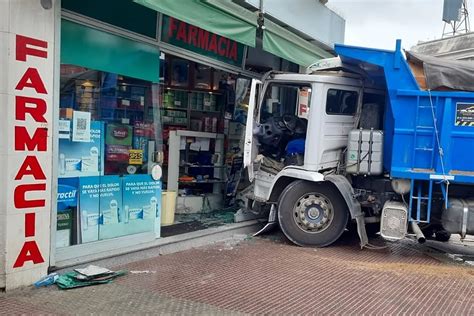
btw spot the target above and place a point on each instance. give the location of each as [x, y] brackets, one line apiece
[64, 220]
[119, 134]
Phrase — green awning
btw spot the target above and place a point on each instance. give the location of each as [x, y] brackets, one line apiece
[98, 50]
[221, 17]
[285, 44]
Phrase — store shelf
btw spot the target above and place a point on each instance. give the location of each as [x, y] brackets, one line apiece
[202, 166]
[120, 109]
[176, 124]
[193, 90]
[174, 108]
[203, 181]
[204, 111]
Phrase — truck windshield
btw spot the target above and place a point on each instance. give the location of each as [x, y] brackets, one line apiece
[283, 99]
[283, 119]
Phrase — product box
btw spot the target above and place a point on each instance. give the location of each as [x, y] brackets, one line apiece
[82, 159]
[66, 206]
[100, 203]
[117, 153]
[141, 204]
[66, 113]
[142, 132]
[119, 134]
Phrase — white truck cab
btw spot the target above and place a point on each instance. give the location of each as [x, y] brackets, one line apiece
[361, 139]
[295, 145]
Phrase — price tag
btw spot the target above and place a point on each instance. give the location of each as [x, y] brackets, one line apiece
[177, 103]
[135, 157]
[207, 103]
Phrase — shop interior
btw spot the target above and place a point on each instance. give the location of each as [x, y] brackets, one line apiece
[203, 110]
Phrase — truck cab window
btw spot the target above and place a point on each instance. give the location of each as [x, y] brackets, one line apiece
[341, 102]
[279, 121]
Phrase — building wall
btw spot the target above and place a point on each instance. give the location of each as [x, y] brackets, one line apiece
[26, 98]
[460, 47]
[310, 17]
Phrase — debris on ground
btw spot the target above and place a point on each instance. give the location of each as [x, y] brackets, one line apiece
[141, 271]
[91, 275]
[47, 280]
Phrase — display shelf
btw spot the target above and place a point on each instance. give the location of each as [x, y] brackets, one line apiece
[167, 88]
[203, 181]
[206, 111]
[202, 166]
[120, 109]
[175, 124]
[175, 108]
[179, 159]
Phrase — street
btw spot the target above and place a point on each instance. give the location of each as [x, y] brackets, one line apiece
[270, 276]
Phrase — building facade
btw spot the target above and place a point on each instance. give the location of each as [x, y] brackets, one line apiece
[94, 95]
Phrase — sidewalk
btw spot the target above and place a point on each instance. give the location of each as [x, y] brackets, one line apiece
[269, 276]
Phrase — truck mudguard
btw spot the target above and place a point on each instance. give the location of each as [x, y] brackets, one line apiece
[344, 187]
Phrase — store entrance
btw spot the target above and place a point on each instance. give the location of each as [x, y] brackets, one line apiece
[203, 114]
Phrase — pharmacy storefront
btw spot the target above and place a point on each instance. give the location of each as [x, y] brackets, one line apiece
[108, 106]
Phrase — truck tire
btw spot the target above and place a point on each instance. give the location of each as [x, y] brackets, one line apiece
[312, 214]
[442, 235]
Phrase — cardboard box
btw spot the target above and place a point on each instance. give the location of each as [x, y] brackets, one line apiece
[66, 113]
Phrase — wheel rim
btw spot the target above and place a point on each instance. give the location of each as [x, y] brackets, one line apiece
[313, 213]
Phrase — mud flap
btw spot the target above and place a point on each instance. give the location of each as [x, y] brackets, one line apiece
[364, 240]
[347, 192]
[272, 222]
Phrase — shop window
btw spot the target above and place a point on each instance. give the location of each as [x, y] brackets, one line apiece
[109, 131]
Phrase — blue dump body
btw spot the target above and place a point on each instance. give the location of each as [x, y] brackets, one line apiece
[419, 123]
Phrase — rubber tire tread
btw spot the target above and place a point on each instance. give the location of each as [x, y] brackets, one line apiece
[288, 199]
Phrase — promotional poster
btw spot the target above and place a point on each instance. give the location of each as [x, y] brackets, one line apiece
[100, 203]
[82, 158]
[141, 203]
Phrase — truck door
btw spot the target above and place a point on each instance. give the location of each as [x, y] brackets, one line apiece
[250, 146]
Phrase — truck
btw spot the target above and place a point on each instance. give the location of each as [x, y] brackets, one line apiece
[378, 140]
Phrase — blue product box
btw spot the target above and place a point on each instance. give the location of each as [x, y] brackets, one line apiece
[82, 159]
[67, 193]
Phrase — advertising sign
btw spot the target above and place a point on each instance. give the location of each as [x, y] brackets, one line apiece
[81, 127]
[113, 206]
[464, 114]
[141, 203]
[27, 62]
[83, 159]
[100, 201]
[195, 39]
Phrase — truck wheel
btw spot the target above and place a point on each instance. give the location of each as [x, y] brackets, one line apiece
[442, 235]
[312, 214]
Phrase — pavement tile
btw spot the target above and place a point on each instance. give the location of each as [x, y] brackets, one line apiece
[269, 276]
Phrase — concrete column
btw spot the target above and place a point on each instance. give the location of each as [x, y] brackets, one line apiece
[27, 32]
